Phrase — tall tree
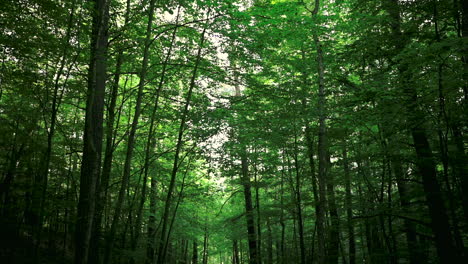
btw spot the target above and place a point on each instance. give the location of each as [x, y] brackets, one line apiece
[424, 158]
[93, 132]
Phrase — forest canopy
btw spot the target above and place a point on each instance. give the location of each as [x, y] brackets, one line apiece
[243, 132]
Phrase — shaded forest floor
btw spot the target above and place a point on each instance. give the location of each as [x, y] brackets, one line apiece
[18, 248]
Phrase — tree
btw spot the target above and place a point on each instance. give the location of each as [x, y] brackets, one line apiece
[91, 161]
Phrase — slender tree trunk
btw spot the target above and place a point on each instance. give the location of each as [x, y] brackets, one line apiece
[310, 154]
[270, 243]
[40, 186]
[334, 230]
[150, 243]
[461, 159]
[179, 199]
[93, 132]
[322, 165]
[281, 220]
[205, 248]
[257, 204]
[236, 252]
[245, 179]
[424, 158]
[251, 234]
[195, 253]
[410, 228]
[464, 33]
[443, 118]
[149, 144]
[131, 137]
[108, 155]
[179, 145]
[322, 147]
[298, 201]
[10, 174]
[349, 207]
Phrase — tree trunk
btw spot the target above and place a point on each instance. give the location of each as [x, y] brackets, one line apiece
[334, 231]
[195, 253]
[108, 155]
[150, 243]
[93, 132]
[410, 228]
[298, 201]
[205, 248]
[349, 207]
[178, 149]
[257, 204]
[281, 220]
[40, 185]
[131, 137]
[251, 234]
[322, 147]
[270, 243]
[457, 124]
[424, 158]
[235, 249]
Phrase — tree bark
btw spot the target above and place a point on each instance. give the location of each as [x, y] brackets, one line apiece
[93, 132]
[251, 234]
[108, 154]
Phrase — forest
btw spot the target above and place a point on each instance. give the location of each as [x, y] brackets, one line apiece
[233, 132]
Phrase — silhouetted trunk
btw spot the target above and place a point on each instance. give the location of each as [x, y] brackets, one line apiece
[298, 201]
[458, 123]
[131, 138]
[108, 155]
[464, 33]
[349, 207]
[235, 249]
[443, 120]
[334, 229]
[107, 164]
[281, 220]
[270, 243]
[205, 248]
[424, 157]
[93, 132]
[257, 204]
[322, 166]
[178, 149]
[322, 146]
[149, 143]
[251, 234]
[151, 239]
[9, 175]
[179, 199]
[41, 181]
[195, 253]
[410, 228]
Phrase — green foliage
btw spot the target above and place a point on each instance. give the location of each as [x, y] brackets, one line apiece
[255, 102]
